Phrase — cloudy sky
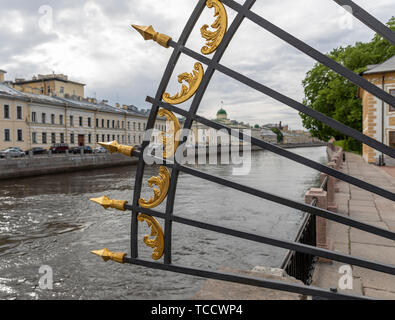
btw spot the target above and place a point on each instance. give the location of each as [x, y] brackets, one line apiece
[92, 42]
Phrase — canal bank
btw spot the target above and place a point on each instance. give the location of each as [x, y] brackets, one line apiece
[64, 163]
[369, 208]
[50, 164]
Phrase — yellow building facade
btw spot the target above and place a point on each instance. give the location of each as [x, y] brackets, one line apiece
[378, 117]
[29, 120]
[51, 84]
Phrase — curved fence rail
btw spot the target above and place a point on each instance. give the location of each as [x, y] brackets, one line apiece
[303, 250]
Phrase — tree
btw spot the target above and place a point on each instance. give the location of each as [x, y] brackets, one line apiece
[280, 136]
[336, 97]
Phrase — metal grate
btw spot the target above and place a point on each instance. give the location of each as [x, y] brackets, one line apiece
[303, 250]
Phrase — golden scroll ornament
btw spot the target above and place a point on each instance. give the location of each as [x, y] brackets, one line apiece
[157, 243]
[169, 140]
[163, 182]
[220, 25]
[193, 79]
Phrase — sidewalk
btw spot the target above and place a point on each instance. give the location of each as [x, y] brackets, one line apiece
[367, 207]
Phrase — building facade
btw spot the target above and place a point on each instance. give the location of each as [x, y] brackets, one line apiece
[378, 118]
[29, 120]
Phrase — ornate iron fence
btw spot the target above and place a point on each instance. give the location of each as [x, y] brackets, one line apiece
[303, 249]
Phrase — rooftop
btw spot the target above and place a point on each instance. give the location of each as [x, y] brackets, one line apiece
[9, 92]
[386, 66]
[46, 77]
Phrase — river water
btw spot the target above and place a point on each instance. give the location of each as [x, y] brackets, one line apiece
[49, 220]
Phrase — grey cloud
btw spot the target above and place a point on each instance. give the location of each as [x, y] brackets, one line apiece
[93, 42]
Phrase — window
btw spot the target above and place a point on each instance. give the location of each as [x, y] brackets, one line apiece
[139, 139]
[53, 138]
[89, 122]
[42, 90]
[34, 137]
[134, 139]
[80, 122]
[52, 119]
[392, 139]
[49, 90]
[71, 121]
[118, 124]
[392, 108]
[44, 138]
[71, 138]
[19, 135]
[97, 138]
[61, 120]
[113, 123]
[108, 138]
[123, 124]
[113, 137]
[6, 111]
[62, 138]
[134, 126]
[108, 123]
[128, 125]
[123, 139]
[139, 126]
[34, 119]
[43, 118]
[61, 89]
[118, 139]
[97, 123]
[19, 112]
[102, 123]
[102, 137]
[89, 138]
[7, 136]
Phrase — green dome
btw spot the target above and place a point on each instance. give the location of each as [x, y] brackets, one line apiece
[221, 111]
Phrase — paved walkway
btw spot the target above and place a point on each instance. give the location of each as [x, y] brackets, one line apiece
[369, 208]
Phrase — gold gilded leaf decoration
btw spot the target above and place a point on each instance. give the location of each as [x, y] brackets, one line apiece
[220, 25]
[170, 139]
[193, 79]
[157, 243]
[162, 182]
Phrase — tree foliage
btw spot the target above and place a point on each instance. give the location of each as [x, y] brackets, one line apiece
[336, 97]
[280, 136]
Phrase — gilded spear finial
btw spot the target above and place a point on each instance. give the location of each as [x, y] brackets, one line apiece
[106, 203]
[114, 146]
[108, 255]
[149, 33]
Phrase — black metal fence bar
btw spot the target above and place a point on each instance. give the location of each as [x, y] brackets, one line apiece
[150, 124]
[258, 282]
[288, 101]
[285, 153]
[273, 241]
[368, 20]
[315, 54]
[292, 204]
[306, 235]
[189, 120]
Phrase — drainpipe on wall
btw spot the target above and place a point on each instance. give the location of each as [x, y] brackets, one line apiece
[381, 159]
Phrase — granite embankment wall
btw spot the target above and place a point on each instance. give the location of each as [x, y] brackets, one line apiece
[48, 164]
[30, 166]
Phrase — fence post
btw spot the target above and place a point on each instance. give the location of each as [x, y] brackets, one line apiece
[331, 189]
[322, 202]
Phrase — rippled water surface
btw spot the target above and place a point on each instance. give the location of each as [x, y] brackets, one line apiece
[49, 221]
